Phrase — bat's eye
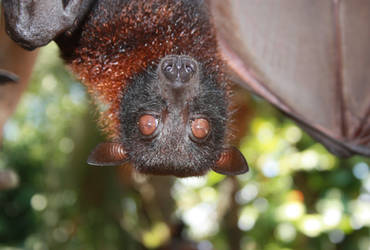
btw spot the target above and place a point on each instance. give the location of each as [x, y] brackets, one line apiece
[200, 128]
[147, 124]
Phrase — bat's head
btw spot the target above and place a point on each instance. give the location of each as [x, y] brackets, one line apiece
[173, 121]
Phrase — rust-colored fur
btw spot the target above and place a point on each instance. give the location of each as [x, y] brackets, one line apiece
[120, 39]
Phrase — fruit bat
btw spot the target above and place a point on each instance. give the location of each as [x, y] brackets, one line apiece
[155, 67]
[158, 69]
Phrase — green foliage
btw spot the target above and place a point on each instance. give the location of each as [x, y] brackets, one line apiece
[296, 195]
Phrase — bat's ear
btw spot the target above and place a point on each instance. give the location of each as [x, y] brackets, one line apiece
[231, 162]
[108, 154]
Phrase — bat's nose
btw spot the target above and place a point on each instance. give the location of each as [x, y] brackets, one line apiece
[178, 68]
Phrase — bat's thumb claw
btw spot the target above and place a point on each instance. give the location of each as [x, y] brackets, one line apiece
[6, 77]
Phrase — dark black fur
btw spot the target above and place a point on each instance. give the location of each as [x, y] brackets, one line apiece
[172, 151]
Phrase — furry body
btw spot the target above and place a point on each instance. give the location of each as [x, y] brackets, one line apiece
[116, 53]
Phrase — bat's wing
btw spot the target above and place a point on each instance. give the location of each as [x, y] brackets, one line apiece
[35, 23]
[311, 59]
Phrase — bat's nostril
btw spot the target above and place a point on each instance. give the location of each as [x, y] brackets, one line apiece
[178, 68]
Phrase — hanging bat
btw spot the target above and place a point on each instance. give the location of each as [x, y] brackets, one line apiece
[156, 66]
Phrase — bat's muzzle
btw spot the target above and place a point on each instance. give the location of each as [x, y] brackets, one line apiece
[178, 68]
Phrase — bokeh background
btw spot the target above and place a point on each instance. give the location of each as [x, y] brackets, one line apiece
[296, 195]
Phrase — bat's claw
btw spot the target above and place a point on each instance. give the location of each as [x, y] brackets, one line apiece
[7, 77]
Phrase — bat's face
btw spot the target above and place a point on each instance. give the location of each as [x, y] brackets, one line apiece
[173, 121]
[174, 118]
